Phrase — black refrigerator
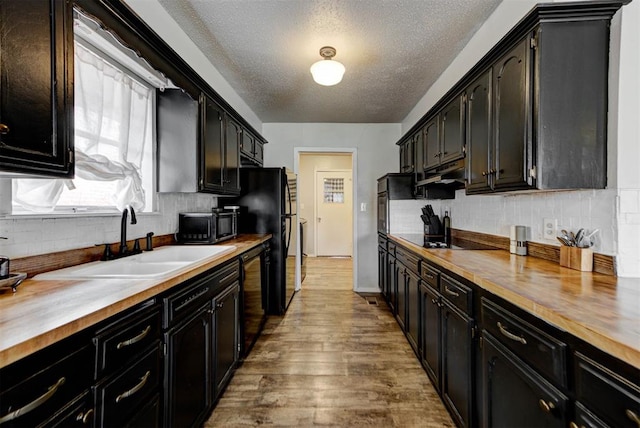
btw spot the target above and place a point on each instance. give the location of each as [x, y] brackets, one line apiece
[268, 205]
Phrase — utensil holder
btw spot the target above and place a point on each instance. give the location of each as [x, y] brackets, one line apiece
[576, 258]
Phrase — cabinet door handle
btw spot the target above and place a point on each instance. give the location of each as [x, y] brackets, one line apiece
[434, 301]
[510, 335]
[546, 406]
[35, 403]
[135, 389]
[633, 417]
[84, 416]
[4, 129]
[134, 339]
[575, 425]
[451, 292]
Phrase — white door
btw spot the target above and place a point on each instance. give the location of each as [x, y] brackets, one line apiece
[334, 213]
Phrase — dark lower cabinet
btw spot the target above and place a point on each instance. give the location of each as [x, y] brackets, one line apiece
[457, 363]
[413, 310]
[401, 296]
[78, 414]
[392, 280]
[119, 397]
[226, 333]
[514, 394]
[430, 335]
[148, 416]
[383, 284]
[187, 370]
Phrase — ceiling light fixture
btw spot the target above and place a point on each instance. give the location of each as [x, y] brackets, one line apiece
[327, 72]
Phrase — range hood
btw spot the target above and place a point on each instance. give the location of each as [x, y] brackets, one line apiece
[452, 174]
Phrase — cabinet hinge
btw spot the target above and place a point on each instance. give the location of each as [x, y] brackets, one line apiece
[481, 342]
[534, 42]
[71, 154]
[533, 172]
[164, 349]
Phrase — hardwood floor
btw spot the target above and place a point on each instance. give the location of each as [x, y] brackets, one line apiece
[332, 360]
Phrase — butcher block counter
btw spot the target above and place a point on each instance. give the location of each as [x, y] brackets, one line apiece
[43, 312]
[599, 309]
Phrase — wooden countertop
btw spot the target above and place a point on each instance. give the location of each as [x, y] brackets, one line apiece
[601, 310]
[43, 312]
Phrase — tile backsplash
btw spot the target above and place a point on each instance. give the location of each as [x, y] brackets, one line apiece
[29, 236]
[494, 214]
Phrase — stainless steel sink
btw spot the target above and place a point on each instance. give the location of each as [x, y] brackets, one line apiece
[159, 263]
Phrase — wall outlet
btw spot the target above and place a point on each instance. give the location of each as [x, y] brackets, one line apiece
[549, 228]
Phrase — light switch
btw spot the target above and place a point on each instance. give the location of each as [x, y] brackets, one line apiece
[363, 207]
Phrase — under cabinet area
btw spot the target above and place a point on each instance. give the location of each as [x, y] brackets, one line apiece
[36, 107]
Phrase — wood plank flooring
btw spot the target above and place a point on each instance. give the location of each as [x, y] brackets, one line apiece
[332, 360]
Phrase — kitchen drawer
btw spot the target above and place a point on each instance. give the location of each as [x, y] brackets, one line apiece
[183, 302]
[540, 350]
[47, 386]
[430, 275]
[460, 295]
[124, 339]
[120, 397]
[611, 397]
[584, 418]
[391, 248]
[408, 259]
[225, 276]
[382, 241]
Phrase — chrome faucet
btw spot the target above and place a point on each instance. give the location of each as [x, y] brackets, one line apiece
[123, 229]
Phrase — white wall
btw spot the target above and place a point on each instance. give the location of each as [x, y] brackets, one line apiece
[615, 211]
[376, 155]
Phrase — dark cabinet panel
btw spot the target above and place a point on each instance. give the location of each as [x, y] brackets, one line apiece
[187, 370]
[413, 310]
[392, 279]
[452, 131]
[608, 395]
[430, 344]
[382, 272]
[516, 396]
[431, 144]
[36, 87]
[231, 175]
[401, 296]
[407, 156]
[512, 118]
[148, 416]
[478, 133]
[226, 310]
[457, 364]
[258, 153]
[212, 146]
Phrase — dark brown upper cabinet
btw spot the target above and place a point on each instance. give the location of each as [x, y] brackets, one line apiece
[212, 134]
[407, 156]
[532, 113]
[230, 173]
[36, 87]
[444, 135]
[251, 149]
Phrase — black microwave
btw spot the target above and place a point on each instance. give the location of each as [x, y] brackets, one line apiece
[207, 228]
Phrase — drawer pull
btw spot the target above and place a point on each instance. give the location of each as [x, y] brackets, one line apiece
[510, 335]
[35, 403]
[633, 417]
[134, 339]
[546, 406]
[4, 129]
[84, 416]
[575, 425]
[450, 292]
[428, 275]
[135, 389]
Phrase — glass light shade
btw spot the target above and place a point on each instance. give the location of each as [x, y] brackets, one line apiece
[327, 72]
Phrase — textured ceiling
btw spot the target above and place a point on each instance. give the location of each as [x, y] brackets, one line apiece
[393, 51]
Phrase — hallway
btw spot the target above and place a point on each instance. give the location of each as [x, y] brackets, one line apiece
[332, 360]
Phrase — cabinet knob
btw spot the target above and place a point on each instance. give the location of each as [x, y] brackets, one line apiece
[85, 417]
[4, 129]
[484, 173]
[546, 406]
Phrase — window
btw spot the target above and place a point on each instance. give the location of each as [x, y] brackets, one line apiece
[114, 143]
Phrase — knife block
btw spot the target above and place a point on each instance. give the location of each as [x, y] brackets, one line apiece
[576, 258]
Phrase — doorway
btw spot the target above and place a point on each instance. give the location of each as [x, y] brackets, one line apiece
[333, 216]
[338, 167]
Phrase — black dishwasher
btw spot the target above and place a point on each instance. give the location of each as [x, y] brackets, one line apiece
[254, 298]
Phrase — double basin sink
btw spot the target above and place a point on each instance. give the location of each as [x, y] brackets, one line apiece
[159, 263]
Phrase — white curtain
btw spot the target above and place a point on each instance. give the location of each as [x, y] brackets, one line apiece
[112, 117]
